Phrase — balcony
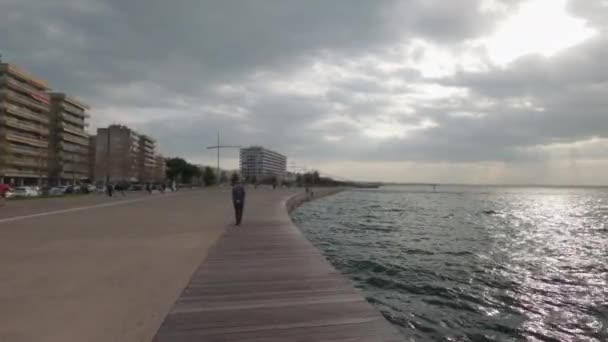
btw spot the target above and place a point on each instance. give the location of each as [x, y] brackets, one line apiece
[24, 113]
[68, 158]
[24, 100]
[74, 121]
[75, 140]
[74, 110]
[149, 143]
[78, 176]
[29, 151]
[73, 149]
[28, 162]
[26, 126]
[26, 139]
[24, 173]
[70, 129]
[76, 169]
[26, 88]
[20, 73]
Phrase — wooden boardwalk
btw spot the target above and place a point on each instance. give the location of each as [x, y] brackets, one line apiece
[266, 282]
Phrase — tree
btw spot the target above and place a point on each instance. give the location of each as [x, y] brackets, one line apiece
[208, 176]
[307, 178]
[316, 179]
[175, 167]
[234, 179]
[299, 179]
[179, 169]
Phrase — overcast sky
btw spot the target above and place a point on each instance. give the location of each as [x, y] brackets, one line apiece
[466, 91]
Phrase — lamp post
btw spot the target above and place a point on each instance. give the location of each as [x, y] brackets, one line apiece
[107, 155]
[218, 147]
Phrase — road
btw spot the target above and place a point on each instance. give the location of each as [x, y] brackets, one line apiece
[99, 269]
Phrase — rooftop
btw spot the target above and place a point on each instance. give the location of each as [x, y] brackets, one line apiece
[15, 70]
[70, 100]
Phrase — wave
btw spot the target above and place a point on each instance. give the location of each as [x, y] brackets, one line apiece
[442, 267]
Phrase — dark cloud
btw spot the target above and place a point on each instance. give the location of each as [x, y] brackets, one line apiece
[317, 79]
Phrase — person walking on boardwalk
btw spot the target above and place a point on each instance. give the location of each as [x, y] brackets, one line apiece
[238, 200]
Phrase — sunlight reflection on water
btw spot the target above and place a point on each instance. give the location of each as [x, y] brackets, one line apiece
[473, 263]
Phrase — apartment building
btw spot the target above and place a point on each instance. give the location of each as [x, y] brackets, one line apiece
[117, 151]
[146, 159]
[69, 142]
[161, 169]
[24, 127]
[92, 149]
[262, 163]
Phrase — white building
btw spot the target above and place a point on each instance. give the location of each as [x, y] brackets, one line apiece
[262, 163]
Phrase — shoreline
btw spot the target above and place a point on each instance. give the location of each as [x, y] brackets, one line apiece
[295, 201]
[266, 281]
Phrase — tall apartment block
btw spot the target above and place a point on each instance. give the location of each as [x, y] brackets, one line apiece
[146, 159]
[92, 150]
[161, 168]
[262, 163]
[24, 127]
[123, 155]
[69, 142]
[117, 151]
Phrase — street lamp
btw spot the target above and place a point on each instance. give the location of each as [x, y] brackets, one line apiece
[218, 147]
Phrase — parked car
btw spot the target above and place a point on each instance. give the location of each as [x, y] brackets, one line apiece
[57, 190]
[25, 191]
[137, 187]
[4, 190]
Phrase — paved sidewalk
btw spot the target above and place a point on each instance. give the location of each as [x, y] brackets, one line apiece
[265, 282]
[104, 273]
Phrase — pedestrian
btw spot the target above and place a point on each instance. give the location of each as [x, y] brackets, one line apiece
[238, 200]
[4, 189]
[149, 188]
[110, 190]
[163, 187]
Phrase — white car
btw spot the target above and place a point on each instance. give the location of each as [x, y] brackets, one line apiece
[57, 190]
[25, 191]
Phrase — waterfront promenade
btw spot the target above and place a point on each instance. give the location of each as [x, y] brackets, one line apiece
[99, 269]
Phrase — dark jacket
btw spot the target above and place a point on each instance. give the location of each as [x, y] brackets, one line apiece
[238, 195]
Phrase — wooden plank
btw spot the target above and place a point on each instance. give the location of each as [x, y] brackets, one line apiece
[266, 282]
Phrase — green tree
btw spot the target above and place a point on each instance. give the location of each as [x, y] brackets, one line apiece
[175, 167]
[208, 176]
[179, 169]
[316, 179]
[307, 177]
